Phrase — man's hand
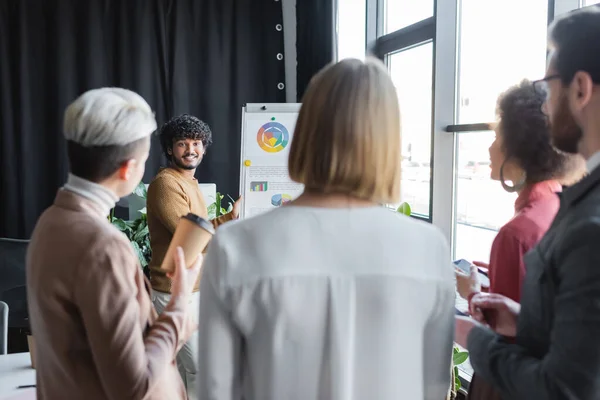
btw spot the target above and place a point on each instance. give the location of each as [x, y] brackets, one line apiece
[467, 284]
[462, 328]
[498, 311]
[235, 212]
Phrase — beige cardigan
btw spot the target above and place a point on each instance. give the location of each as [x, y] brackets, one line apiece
[97, 334]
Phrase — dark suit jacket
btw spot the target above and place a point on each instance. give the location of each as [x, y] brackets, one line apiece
[556, 354]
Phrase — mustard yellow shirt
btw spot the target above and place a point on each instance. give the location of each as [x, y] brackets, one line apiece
[171, 195]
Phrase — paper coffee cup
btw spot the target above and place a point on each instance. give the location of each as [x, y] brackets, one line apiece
[192, 234]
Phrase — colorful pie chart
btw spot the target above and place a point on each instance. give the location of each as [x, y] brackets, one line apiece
[280, 199]
[273, 137]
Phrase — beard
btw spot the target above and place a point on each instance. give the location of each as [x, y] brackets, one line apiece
[565, 132]
[181, 164]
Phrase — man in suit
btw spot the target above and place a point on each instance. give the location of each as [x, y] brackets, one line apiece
[97, 335]
[548, 347]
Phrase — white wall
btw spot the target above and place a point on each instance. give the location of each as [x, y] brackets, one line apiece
[289, 44]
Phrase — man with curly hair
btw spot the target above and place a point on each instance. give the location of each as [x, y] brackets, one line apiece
[173, 193]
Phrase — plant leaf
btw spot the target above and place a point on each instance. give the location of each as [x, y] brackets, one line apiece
[457, 383]
[131, 224]
[141, 233]
[121, 225]
[404, 208]
[140, 254]
[212, 211]
[460, 357]
[141, 190]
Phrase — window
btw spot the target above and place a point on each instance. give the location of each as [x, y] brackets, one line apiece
[473, 57]
[351, 29]
[482, 206]
[449, 71]
[412, 72]
[590, 2]
[406, 44]
[491, 59]
[399, 14]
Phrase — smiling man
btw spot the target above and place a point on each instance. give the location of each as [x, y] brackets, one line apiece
[173, 193]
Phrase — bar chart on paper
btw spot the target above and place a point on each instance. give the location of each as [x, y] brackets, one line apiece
[258, 186]
[267, 132]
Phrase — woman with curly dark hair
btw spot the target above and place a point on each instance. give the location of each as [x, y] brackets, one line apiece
[524, 161]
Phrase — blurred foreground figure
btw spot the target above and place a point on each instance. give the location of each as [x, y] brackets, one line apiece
[97, 334]
[331, 296]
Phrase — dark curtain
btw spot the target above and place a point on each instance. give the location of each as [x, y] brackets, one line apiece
[202, 57]
[315, 32]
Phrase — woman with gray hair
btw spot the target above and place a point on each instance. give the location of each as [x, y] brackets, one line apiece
[97, 335]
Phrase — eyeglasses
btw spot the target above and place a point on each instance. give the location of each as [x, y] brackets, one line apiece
[541, 86]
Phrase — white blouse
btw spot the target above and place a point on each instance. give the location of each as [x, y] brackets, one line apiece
[333, 304]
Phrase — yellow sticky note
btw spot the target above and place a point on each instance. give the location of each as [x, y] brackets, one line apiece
[247, 163]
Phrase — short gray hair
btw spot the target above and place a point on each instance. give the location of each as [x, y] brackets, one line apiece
[108, 117]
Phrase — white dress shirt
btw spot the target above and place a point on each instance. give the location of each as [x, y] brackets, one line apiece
[334, 304]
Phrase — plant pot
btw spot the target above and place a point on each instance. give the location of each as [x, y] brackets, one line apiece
[31, 344]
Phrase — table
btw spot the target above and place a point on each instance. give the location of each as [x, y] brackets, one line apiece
[15, 370]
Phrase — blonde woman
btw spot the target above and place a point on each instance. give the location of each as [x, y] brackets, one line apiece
[332, 296]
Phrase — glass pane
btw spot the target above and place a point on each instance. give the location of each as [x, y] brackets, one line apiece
[351, 29]
[482, 206]
[412, 72]
[492, 58]
[399, 14]
[590, 2]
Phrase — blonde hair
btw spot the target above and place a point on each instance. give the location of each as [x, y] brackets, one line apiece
[347, 136]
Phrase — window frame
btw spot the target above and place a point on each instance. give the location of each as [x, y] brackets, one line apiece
[383, 45]
[444, 34]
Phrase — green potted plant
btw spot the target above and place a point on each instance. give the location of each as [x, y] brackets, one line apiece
[137, 230]
[216, 209]
[458, 357]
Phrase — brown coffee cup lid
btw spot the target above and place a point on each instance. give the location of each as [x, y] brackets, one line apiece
[201, 222]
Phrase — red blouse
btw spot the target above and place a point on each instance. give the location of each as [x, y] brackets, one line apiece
[535, 208]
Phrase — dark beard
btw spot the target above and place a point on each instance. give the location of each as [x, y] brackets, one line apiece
[565, 132]
[181, 165]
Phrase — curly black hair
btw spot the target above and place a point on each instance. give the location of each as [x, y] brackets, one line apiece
[526, 134]
[184, 126]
